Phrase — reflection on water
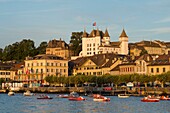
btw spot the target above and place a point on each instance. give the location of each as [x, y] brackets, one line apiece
[22, 104]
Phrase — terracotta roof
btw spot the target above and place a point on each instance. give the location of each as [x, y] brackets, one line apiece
[115, 44]
[102, 60]
[123, 34]
[98, 32]
[94, 33]
[57, 43]
[85, 34]
[146, 57]
[46, 56]
[147, 44]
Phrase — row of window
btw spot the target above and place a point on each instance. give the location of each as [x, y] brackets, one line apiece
[88, 68]
[158, 70]
[36, 71]
[4, 73]
[91, 73]
[127, 69]
[47, 64]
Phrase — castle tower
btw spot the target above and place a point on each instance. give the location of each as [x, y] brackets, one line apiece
[106, 38]
[124, 43]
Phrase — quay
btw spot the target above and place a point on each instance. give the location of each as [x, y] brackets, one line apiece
[136, 91]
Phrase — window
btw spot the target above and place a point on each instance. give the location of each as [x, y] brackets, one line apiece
[41, 70]
[47, 70]
[151, 70]
[164, 70]
[41, 64]
[37, 64]
[28, 64]
[51, 70]
[51, 64]
[47, 64]
[157, 70]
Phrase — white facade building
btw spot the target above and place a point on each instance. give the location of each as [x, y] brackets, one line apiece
[98, 42]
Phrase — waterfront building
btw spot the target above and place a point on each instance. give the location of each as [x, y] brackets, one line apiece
[6, 71]
[160, 65]
[98, 64]
[124, 69]
[38, 67]
[98, 42]
[59, 48]
[142, 62]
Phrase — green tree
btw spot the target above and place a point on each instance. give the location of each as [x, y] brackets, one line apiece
[76, 43]
[41, 49]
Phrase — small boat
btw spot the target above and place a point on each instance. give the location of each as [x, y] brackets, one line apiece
[64, 96]
[11, 93]
[146, 99]
[79, 98]
[123, 96]
[28, 93]
[44, 97]
[164, 98]
[101, 99]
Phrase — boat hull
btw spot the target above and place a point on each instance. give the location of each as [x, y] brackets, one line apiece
[76, 98]
[150, 100]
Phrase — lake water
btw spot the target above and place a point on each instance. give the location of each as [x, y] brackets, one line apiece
[21, 104]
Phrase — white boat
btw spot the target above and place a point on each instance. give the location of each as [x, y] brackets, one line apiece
[11, 93]
[28, 93]
[123, 96]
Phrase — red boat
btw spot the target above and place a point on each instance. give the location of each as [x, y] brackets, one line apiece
[101, 99]
[164, 98]
[44, 97]
[80, 98]
[146, 99]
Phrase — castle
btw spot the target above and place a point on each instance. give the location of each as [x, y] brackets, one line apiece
[98, 42]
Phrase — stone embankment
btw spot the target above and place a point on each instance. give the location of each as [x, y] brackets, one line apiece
[137, 91]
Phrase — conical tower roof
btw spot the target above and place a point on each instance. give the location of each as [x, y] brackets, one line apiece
[123, 34]
[98, 32]
[84, 33]
[106, 34]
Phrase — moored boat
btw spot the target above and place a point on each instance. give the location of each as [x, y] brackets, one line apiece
[28, 93]
[63, 96]
[79, 98]
[101, 99]
[44, 97]
[146, 99]
[164, 98]
[123, 96]
[11, 93]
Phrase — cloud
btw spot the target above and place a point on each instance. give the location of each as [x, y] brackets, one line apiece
[159, 30]
[165, 20]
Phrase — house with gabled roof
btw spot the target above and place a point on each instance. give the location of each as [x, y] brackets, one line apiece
[98, 64]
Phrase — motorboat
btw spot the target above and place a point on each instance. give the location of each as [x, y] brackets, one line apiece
[164, 98]
[63, 96]
[11, 93]
[74, 94]
[146, 99]
[79, 98]
[123, 96]
[44, 97]
[101, 99]
[28, 93]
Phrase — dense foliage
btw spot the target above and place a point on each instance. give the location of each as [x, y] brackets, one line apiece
[19, 50]
[76, 43]
[108, 79]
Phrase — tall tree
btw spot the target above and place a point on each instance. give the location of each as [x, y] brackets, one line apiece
[76, 43]
[41, 49]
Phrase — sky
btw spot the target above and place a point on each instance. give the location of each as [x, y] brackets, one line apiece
[45, 20]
